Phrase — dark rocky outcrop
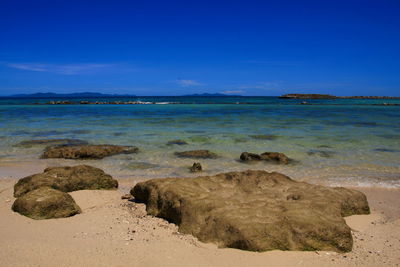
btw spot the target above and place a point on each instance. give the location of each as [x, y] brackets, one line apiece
[196, 167]
[46, 203]
[197, 154]
[274, 157]
[177, 142]
[87, 151]
[66, 179]
[50, 142]
[255, 210]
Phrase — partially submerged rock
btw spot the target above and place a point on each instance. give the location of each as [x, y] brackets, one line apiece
[197, 154]
[196, 167]
[177, 142]
[46, 203]
[87, 151]
[66, 179]
[255, 210]
[50, 142]
[275, 157]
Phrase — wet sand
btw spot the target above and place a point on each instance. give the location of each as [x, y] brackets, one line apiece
[115, 232]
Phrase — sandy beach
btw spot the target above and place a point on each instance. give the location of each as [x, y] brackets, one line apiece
[115, 232]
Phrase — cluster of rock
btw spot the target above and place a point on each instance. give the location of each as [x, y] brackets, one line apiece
[84, 102]
[45, 195]
[255, 210]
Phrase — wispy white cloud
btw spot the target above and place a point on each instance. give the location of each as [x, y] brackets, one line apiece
[187, 83]
[65, 69]
[233, 92]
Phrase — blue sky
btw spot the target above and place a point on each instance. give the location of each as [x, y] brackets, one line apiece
[179, 47]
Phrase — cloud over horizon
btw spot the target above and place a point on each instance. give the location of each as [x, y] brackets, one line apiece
[64, 69]
[187, 83]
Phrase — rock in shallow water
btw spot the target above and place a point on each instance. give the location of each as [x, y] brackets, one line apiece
[197, 154]
[87, 151]
[66, 179]
[196, 167]
[255, 210]
[275, 157]
[46, 203]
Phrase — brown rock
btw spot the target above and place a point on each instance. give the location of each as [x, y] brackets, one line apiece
[196, 167]
[87, 151]
[255, 210]
[275, 157]
[66, 179]
[197, 154]
[46, 203]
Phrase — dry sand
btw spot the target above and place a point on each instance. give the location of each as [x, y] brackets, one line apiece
[115, 232]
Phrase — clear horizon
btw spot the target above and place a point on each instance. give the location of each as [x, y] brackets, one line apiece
[250, 48]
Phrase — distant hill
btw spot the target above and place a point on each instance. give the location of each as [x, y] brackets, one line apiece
[207, 94]
[72, 95]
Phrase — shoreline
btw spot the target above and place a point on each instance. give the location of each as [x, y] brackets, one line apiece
[115, 232]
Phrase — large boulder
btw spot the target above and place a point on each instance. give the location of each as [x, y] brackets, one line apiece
[46, 203]
[274, 157]
[255, 210]
[196, 154]
[50, 142]
[87, 151]
[66, 179]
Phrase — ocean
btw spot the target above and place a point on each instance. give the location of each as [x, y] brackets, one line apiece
[343, 142]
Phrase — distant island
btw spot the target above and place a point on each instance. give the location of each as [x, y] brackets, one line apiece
[323, 96]
[72, 95]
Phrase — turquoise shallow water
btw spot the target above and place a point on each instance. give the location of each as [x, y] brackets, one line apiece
[340, 142]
